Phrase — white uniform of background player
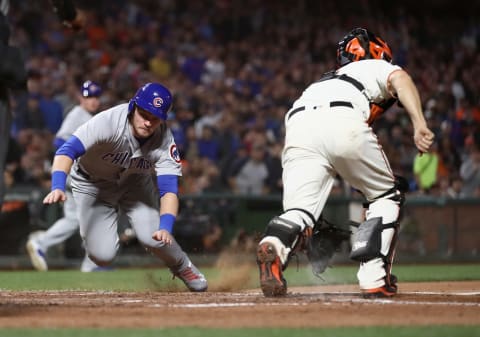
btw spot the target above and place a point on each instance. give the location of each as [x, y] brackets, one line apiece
[62, 229]
[328, 132]
[126, 160]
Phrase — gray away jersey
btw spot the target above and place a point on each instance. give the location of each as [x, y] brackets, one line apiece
[76, 117]
[113, 153]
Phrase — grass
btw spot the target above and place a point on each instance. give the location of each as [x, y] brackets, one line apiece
[447, 331]
[156, 279]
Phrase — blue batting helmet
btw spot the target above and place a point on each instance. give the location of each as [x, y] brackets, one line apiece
[154, 98]
[90, 89]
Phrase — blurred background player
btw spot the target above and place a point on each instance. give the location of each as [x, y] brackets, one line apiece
[13, 75]
[62, 229]
[328, 132]
[125, 160]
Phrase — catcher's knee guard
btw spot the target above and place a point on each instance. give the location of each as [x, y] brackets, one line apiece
[367, 240]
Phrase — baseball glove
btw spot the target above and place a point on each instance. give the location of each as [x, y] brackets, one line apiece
[325, 240]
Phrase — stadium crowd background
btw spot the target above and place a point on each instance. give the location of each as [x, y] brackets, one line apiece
[234, 68]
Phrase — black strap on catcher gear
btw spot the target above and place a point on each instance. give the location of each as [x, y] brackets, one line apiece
[325, 241]
[382, 106]
[367, 240]
[310, 215]
[390, 279]
[285, 230]
[344, 77]
[396, 193]
[288, 232]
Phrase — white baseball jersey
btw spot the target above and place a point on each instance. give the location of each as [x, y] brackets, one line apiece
[327, 138]
[328, 133]
[372, 74]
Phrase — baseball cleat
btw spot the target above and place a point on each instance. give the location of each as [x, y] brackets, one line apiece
[37, 256]
[388, 290]
[271, 279]
[381, 292]
[192, 277]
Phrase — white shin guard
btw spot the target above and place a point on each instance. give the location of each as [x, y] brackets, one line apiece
[372, 274]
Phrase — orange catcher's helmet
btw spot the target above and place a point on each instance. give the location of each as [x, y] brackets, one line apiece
[361, 44]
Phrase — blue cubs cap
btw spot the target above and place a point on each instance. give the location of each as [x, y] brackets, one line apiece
[90, 89]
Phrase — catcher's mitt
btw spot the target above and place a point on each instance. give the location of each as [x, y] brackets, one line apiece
[325, 240]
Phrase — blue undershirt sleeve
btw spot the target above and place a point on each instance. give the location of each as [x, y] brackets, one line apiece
[58, 142]
[167, 183]
[72, 148]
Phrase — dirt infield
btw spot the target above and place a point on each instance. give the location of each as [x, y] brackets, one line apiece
[321, 306]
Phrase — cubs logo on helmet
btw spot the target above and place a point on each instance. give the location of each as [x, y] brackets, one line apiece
[154, 98]
[157, 102]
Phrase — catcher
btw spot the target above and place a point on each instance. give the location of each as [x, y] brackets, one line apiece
[327, 133]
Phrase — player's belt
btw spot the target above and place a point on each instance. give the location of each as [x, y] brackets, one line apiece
[81, 172]
[333, 104]
[341, 103]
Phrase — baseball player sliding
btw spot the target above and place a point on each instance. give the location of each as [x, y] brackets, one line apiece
[125, 158]
[327, 133]
[62, 229]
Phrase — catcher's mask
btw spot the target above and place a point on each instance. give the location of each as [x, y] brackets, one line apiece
[154, 98]
[361, 44]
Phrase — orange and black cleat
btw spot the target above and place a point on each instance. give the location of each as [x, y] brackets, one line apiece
[390, 289]
[271, 279]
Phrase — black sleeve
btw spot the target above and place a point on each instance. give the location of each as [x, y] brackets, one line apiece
[13, 74]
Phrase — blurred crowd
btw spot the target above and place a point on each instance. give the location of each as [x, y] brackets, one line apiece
[234, 68]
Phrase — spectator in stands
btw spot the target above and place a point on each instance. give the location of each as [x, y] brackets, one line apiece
[26, 106]
[274, 165]
[177, 131]
[451, 187]
[208, 145]
[221, 69]
[13, 174]
[425, 168]
[200, 175]
[250, 175]
[470, 172]
[51, 109]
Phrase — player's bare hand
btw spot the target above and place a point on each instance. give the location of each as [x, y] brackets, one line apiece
[163, 235]
[55, 196]
[423, 138]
